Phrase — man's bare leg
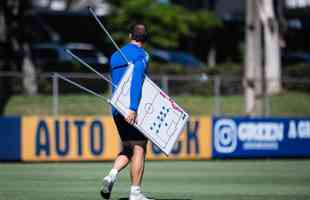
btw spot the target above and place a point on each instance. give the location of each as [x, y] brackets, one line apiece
[124, 157]
[120, 163]
[137, 163]
[137, 170]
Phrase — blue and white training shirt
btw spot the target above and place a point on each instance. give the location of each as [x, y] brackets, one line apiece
[139, 57]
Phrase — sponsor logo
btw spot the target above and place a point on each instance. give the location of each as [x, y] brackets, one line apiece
[60, 140]
[261, 135]
[96, 138]
[299, 129]
[68, 138]
[250, 135]
[225, 138]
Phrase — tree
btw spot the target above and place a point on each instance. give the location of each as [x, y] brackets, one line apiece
[14, 47]
[262, 67]
[253, 63]
[271, 46]
[5, 86]
[167, 24]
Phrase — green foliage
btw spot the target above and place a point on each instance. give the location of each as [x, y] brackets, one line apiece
[226, 69]
[166, 69]
[297, 71]
[166, 24]
[289, 103]
[202, 21]
[159, 68]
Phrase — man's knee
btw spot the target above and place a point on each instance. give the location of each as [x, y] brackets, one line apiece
[139, 148]
[127, 150]
[131, 148]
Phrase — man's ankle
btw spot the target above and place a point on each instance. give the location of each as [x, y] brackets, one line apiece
[113, 174]
[135, 189]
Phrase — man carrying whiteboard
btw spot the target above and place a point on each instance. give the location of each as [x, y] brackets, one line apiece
[133, 141]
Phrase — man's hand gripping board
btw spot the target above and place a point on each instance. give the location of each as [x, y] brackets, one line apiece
[159, 118]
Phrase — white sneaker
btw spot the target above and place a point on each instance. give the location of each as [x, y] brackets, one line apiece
[138, 196]
[107, 185]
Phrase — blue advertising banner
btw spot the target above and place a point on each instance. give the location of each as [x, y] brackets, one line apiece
[242, 137]
[10, 138]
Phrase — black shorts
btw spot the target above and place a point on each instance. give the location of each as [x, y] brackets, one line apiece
[126, 131]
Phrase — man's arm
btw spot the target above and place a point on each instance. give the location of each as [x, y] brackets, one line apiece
[136, 88]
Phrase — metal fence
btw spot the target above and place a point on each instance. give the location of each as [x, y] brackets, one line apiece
[224, 93]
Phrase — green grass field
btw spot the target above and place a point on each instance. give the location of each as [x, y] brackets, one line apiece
[286, 104]
[169, 180]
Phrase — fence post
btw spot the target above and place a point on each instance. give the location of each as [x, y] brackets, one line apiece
[165, 83]
[267, 105]
[110, 92]
[55, 95]
[217, 95]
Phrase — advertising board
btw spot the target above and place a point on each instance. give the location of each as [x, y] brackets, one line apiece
[261, 137]
[73, 138]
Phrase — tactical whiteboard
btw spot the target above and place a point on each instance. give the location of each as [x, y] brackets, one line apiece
[159, 118]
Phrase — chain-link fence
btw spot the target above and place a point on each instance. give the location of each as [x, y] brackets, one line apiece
[200, 94]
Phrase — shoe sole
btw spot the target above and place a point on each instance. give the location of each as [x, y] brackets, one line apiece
[105, 192]
[141, 198]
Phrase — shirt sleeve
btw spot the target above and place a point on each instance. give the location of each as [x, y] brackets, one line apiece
[137, 82]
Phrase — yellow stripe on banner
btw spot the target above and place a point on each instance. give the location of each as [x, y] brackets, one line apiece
[194, 142]
[77, 138]
[69, 138]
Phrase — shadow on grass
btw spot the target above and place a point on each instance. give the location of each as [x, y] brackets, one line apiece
[158, 199]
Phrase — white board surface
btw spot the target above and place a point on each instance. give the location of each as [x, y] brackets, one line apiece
[159, 118]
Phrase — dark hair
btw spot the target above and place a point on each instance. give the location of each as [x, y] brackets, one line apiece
[138, 32]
